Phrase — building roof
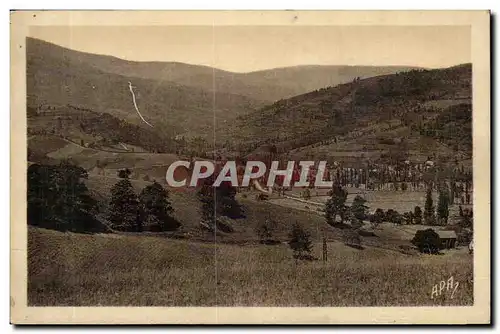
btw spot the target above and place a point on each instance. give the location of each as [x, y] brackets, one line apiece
[447, 234]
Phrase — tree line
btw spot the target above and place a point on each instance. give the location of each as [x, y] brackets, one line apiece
[59, 199]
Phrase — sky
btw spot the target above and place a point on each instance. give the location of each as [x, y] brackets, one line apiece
[252, 48]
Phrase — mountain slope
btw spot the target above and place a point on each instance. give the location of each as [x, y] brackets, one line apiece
[401, 112]
[267, 85]
[58, 78]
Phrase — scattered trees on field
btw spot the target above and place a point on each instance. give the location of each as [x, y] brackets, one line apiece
[150, 211]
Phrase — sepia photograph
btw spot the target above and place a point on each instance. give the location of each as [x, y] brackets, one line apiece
[250, 167]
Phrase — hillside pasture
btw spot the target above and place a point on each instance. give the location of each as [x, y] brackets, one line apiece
[99, 270]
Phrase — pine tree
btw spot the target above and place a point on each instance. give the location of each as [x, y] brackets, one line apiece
[124, 212]
[359, 209]
[336, 204]
[443, 206]
[156, 208]
[429, 216]
[206, 195]
[300, 241]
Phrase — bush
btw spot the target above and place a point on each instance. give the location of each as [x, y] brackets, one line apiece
[306, 194]
[386, 141]
[408, 217]
[377, 218]
[261, 197]
[464, 237]
[352, 239]
[300, 242]
[427, 241]
[404, 186]
[394, 217]
[224, 224]
[265, 230]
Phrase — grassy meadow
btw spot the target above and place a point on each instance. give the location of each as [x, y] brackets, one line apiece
[67, 269]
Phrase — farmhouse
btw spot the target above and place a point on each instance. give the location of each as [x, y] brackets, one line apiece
[448, 239]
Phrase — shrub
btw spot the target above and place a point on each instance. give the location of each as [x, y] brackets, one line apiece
[427, 241]
[352, 239]
[378, 217]
[394, 217]
[124, 173]
[408, 217]
[466, 218]
[265, 230]
[404, 186]
[306, 194]
[300, 242]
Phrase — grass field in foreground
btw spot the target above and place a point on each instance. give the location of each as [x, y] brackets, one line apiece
[66, 269]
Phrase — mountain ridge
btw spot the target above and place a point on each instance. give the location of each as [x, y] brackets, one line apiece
[372, 116]
[265, 85]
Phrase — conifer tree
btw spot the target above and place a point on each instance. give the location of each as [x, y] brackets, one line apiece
[359, 209]
[429, 216]
[124, 212]
[443, 206]
[417, 215]
[336, 204]
[156, 208]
